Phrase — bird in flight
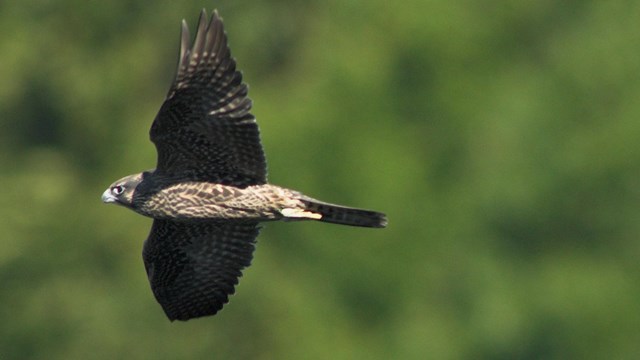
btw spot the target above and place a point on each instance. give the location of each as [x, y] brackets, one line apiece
[209, 191]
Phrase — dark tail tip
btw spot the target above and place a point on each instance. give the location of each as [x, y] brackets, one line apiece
[343, 215]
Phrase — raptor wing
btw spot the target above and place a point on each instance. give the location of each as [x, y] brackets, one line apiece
[204, 130]
[194, 267]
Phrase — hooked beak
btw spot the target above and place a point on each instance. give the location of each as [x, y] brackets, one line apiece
[107, 197]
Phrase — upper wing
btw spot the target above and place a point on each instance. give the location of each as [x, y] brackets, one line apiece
[194, 267]
[204, 130]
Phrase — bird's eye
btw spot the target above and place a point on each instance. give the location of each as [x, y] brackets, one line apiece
[117, 190]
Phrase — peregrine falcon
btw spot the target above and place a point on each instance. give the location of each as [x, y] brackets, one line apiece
[209, 191]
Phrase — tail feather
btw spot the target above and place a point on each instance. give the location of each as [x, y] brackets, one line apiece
[344, 215]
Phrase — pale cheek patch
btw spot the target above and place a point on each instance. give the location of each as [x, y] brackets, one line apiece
[299, 213]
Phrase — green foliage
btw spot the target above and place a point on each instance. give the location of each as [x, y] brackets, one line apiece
[500, 138]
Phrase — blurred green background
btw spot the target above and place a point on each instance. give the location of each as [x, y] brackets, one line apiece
[500, 137]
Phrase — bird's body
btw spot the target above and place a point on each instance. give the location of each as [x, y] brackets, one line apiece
[162, 197]
[209, 190]
[197, 200]
[192, 200]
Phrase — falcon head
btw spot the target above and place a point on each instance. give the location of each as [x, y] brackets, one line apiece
[121, 191]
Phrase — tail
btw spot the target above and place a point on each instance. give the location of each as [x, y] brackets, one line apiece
[343, 215]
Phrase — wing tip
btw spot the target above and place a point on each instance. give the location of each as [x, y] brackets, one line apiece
[185, 42]
[216, 15]
[203, 16]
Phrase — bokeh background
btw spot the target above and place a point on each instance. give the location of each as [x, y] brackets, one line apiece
[500, 137]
